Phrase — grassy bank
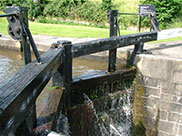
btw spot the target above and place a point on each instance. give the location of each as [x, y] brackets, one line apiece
[62, 30]
[75, 31]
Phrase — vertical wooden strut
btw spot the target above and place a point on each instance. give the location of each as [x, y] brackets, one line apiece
[66, 73]
[112, 15]
[23, 16]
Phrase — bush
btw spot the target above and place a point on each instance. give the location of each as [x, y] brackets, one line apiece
[80, 10]
[35, 8]
[94, 13]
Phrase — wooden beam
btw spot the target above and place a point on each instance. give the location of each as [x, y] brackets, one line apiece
[86, 48]
[19, 92]
[88, 85]
[113, 14]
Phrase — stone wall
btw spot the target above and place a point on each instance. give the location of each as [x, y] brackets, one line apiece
[158, 96]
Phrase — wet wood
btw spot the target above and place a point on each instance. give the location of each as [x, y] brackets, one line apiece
[100, 85]
[86, 48]
[82, 120]
[113, 14]
[19, 92]
[67, 80]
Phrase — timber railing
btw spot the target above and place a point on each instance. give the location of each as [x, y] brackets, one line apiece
[19, 92]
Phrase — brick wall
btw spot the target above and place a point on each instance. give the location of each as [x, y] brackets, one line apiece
[158, 96]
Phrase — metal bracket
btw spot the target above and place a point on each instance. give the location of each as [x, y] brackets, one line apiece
[14, 27]
[60, 44]
[18, 30]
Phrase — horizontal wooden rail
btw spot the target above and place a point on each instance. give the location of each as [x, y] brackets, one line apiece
[81, 49]
[19, 92]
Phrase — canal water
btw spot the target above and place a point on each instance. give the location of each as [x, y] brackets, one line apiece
[11, 61]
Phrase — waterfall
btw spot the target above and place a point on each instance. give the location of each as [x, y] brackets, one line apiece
[116, 119]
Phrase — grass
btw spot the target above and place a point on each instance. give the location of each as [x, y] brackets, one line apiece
[75, 31]
[62, 30]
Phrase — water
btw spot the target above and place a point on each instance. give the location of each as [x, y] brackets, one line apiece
[117, 120]
[10, 62]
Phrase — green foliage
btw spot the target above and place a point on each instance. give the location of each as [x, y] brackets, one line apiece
[96, 93]
[35, 7]
[166, 10]
[106, 4]
[94, 13]
[54, 87]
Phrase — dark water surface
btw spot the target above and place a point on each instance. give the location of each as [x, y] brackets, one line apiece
[11, 61]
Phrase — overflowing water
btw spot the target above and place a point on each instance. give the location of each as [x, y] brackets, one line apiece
[117, 120]
[62, 125]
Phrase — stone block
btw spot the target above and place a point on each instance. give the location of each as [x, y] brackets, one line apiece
[163, 115]
[152, 112]
[166, 126]
[155, 67]
[151, 132]
[170, 106]
[152, 92]
[165, 68]
[180, 130]
[178, 65]
[153, 102]
[148, 81]
[147, 91]
[150, 123]
[177, 77]
[169, 97]
[178, 87]
[164, 84]
[172, 92]
[161, 133]
[174, 117]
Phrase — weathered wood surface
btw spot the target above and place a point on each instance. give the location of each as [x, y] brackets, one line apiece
[113, 14]
[19, 92]
[104, 82]
[86, 48]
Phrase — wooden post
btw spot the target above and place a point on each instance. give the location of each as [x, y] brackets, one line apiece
[139, 22]
[66, 73]
[24, 41]
[137, 50]
[27, 126]
[112, 14]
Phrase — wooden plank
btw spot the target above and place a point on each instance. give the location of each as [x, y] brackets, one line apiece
[19, 92]
[24, 41]
[89, 85]
[86, 48]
